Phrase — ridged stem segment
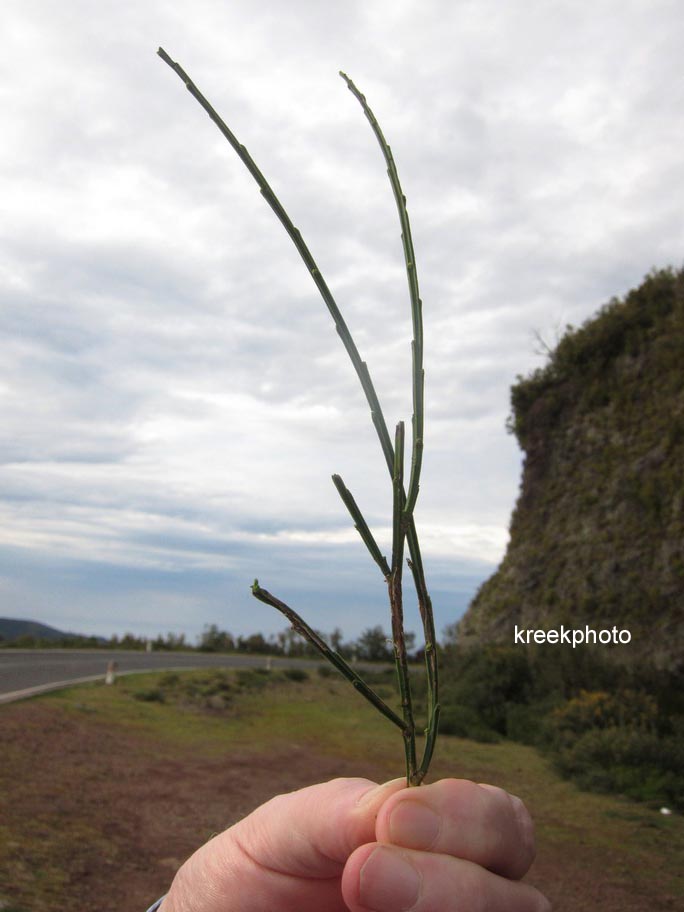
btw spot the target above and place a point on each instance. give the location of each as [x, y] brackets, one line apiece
[394, 585]
[299, 624]
[416, 304]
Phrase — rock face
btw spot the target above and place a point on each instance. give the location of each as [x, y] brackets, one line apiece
[597, 534]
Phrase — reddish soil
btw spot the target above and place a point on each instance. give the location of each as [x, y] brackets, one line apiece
[97, 820]
[147, 812]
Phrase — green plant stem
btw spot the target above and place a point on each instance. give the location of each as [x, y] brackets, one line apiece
[418, 374]
[361, 526]
[416, 304]
[408, 503]
[425, 607]
[394, 585]
[300, 625]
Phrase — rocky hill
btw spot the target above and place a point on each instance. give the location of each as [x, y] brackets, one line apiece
[597, 534]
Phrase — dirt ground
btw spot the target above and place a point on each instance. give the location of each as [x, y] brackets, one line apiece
[147, 812]
[98, 820]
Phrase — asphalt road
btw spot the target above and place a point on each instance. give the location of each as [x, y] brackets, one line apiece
[26, 672]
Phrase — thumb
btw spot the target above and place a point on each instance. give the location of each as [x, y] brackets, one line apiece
[274, 857]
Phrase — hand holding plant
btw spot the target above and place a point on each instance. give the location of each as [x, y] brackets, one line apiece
[349, 844]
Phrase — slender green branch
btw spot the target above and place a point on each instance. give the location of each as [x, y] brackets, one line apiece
[361, 525]
[398, 530]
[430, 739]
[427, 616]
[300, 625]
[416, 303]
[415, 564]
[394, 585]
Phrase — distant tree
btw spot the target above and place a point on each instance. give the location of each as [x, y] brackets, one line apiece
[374, 645]
[170, 641]
[286, 639]
[130, 641]
[255, 642]
[274, 644]
[25, 641]
[215, 640]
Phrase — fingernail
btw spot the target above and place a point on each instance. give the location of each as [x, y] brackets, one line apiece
[525, 823]
[388, 882]
[522, 815]
[414, 825]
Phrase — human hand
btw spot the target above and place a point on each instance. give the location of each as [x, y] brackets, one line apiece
[349, 844]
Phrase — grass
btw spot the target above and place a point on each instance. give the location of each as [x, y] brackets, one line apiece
[268, 709]
[213, 715]
[261, 709]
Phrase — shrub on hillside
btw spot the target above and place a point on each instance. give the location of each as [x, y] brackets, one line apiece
[486, 682]
[151, 695]
[627, 760]
[296, 674]
[598, 709]
[464, 722]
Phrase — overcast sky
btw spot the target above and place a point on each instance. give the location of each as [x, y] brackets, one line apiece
[173, 395]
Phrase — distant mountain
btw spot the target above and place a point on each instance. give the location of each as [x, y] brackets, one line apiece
[12, 628]
[597, 536]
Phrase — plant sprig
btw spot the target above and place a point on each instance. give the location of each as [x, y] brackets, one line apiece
[403, 524]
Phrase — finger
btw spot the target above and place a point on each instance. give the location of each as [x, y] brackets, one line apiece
[386, 878]
[479, 823]
[312, 832]
[287, 854]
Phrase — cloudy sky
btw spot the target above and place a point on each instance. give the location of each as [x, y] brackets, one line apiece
[173, 396]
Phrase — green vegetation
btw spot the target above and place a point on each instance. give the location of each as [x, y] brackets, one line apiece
[220, 709]
[597, 535]
[609, 728]
[585, 369]
[627, 737]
